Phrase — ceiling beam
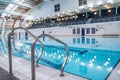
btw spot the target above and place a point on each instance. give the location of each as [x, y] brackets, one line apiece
[16, 3]
[13, 13]
[48, 0]
[39, 1]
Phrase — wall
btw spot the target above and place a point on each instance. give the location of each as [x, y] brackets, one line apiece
[107, 28]
[91, 41]
[47, 8]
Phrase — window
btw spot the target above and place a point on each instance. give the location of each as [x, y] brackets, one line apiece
[87, 30]
[82, 2]
[57, 7]
[93, 30]
[19, 36]
[26, 36]
[74, 31]
[78, 30]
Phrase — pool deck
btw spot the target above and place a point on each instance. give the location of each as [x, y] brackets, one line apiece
[115, 75]
[22, 69]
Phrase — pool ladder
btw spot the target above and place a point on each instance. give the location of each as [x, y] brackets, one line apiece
[32, 51]
[10, 52]
[49, 36]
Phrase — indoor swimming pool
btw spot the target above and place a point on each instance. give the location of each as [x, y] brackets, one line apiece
[89, 57]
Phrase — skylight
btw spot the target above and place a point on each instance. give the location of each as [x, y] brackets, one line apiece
[12, 7]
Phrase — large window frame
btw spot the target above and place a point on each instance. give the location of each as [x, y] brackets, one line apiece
[74, 31]
[78, 30]
[57, 7]
[93, 30]
[87, 30]
[82, 2]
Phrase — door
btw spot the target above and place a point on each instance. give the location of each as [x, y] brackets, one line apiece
[43, 36]
[83, 32]
[78, 30]
[74, 31]
[43, 32]
[19, 36]
[26, 36]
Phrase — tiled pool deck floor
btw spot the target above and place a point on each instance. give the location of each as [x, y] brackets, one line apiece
[5, 76]
[22, 71]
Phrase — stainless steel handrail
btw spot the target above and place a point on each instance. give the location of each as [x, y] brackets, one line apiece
[4, 35]
[3, 24]
[49, 36]
[32, 56]
[2, 44]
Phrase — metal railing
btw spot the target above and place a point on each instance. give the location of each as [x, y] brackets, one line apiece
[32, 56]
[2, 45]
[3, 25]
[49, 36]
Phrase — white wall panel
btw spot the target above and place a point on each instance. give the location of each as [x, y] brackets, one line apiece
[107, 28]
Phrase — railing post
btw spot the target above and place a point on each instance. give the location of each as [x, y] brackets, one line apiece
[32, 53]
[64, 63]
[32, 63]
[49, 36]
[10, 55]
[41, 52]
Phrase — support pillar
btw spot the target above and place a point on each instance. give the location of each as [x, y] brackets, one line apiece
[116, 10]
[99, 12]
[86, 14]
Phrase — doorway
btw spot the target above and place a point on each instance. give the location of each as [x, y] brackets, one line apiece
[83, 32]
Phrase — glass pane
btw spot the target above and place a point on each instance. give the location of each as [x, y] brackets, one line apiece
[93, 30]
[88, 31]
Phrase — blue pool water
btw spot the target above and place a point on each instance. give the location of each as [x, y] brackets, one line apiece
[92, 58]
